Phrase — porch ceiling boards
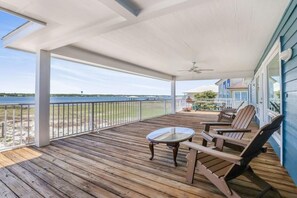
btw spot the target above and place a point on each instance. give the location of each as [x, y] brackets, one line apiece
[164, 36]
[116, 162]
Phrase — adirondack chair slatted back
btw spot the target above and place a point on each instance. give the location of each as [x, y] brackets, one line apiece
[242, 121]
[255, 146]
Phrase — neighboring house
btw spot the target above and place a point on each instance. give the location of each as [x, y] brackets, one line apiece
[235, 89]
[192, 92]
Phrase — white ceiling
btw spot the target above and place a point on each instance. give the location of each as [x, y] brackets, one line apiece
[228, 36]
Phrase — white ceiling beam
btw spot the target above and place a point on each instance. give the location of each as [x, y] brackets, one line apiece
[122, 8]
[86, 57]
[157, 10]
[216, 75]
[21, 32]
[22, 16]
[74, 36]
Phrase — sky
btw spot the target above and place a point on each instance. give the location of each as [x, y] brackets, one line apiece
[18, 74]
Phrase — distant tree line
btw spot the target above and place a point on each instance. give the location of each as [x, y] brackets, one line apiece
[72, 95]
[206, 95]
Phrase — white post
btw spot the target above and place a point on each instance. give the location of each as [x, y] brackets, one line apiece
[42, 98]
[173, 95]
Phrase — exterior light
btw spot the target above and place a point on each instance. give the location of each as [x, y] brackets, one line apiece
[286, 55]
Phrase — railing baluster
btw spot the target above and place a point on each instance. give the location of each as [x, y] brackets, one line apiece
[140, 110]
[118, 113]
[53, 121]
[28, 136]
[63, 118]
[92, 115]
[81, 117]
[100, 115]
[108, 106]
[58, 132]
[96, 116]
[72, 124]
[5, 124]
[85, 116]
[113, 113]
[21, 122]
[126, 112]
[109, 114]
[129, 112]
[13, 125]
[68, 119]
[76, 118]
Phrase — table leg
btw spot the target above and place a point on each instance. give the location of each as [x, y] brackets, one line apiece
[151, 145]
[190, 140]
[175, 150]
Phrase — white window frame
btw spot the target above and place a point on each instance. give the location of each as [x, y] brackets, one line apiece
[240, 92]
[276, 49]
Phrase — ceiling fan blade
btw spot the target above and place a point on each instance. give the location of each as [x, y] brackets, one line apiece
[184, 70]
[205, 69]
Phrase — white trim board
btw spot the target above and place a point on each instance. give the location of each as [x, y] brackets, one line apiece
[90, 58]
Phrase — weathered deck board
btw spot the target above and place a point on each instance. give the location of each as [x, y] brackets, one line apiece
[115, 163]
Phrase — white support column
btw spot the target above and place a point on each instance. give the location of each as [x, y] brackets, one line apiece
[42, 98]
[173, 95]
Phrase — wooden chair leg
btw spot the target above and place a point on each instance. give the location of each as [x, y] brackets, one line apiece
[220, 183]
[204, 142]
[219, 144]
[249, 173]
[224, 187]
[219, 117]
[192, 160]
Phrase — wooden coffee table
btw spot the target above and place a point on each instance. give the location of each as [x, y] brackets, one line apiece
[170, 136]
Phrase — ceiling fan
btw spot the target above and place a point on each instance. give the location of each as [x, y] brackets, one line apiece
[196, 69]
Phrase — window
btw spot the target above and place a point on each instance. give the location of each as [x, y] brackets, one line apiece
[244, 96]
[273, 76]
[240, 95]
[237, 96]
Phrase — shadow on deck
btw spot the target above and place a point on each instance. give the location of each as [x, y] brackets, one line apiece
[115, 163]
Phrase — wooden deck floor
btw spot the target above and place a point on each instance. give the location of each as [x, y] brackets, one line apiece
[115, 163]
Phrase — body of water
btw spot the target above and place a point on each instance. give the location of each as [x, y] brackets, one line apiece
[22, 100]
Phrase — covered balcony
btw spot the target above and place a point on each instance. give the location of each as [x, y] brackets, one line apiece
[99, 149]
[115, 163]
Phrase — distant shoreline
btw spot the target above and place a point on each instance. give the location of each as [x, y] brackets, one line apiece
[76, 95]
[70, 98]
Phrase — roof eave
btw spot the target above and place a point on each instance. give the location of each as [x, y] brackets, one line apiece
[21, 32]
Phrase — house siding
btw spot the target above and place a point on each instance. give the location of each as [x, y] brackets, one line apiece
[287, 31]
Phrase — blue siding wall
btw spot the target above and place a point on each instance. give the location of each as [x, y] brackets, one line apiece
[275, 146]
[287, 30]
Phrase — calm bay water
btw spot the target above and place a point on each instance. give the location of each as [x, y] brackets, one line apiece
[18, 100]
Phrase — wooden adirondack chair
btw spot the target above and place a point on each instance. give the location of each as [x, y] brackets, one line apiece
[220, 167]
[229, 113]
[236, 131]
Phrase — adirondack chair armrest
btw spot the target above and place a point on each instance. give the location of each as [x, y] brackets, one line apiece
[207, 136]
[229, 110]
[209, 124]
[221, 131]
[224, 156]
[237, 142]
[216, 123]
